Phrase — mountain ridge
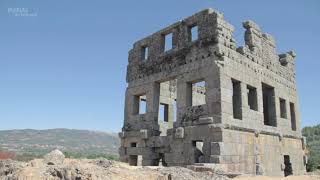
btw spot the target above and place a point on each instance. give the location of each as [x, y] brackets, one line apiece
[72, 141]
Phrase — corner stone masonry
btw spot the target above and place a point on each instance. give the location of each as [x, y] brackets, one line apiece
[195, 98]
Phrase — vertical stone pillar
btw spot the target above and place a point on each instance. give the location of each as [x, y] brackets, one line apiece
[260, 104]
[153, 104]
[298, 121]
[213, 95]
[288, 111]
[244, 100]
[184, 97]
[226, 97]
[170, 112]
[134, 104]
[274, 109]
[127, 104]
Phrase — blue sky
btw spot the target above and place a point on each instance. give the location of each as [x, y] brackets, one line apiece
[66, 66]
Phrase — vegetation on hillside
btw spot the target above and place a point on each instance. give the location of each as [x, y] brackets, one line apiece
[68, 154]
[313, 143]
[76, 155]
[30, 144]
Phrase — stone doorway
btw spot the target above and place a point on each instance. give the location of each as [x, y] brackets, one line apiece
[198, 151]
[162, 161]
[287, 166]
[135, 160]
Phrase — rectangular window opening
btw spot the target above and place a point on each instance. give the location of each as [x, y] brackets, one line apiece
[252, 98]
[145, 53]
[142, 106]
[283, 108]
[133, 144]
[168, 42]
[193, 33]
[198, 93]
[163, 112]
[269, 110]
[236, 99]
[167, 105]
[293, 117]
[139, 104]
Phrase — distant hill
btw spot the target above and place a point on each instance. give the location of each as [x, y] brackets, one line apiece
[73, 142]
[313, 143]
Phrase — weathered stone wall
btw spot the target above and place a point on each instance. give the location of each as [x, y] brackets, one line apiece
[252, 70]
[182, 152]
[244, 119]
[253, 153]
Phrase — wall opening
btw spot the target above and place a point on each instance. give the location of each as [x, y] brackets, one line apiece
[198, 151]
[283, 62]
[168, 41]
[269, 109]
[198, 95]
[305, 160]
[139, 104]
[144, 53]
[283, 108]
[142, 105]
[293, 117]
[287, 165]
[167, 105]
[133, 144]
[163, 112]
[174, 110]
[193, 33]
[236, 99]
[162, 160]
[135, 160]
[252, 98]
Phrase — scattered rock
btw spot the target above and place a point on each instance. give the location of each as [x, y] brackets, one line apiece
[8, 167]
[104, 163]
[55, 157]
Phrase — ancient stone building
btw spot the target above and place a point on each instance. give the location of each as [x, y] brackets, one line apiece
[195, 98]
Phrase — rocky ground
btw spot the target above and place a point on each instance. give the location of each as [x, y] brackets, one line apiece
[55, 167]
[83, 169]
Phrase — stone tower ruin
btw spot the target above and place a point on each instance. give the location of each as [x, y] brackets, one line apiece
[195, 98]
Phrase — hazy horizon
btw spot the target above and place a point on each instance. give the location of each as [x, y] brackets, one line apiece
[104, 131]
